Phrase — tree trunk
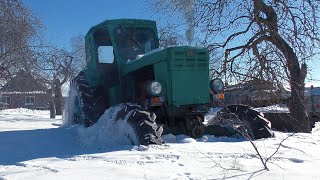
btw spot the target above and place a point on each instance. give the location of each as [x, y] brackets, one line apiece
[52, 108]
[58, 99]
[297, 108]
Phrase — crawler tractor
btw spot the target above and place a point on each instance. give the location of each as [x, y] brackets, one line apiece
[165, 90]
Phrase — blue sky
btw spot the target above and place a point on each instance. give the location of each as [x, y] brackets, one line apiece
[64, 19]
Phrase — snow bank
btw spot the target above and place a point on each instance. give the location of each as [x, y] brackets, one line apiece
[24, 111]
[109, 130]
[209, 117]
[316, 129]
[18, 92]
[277, 108]
[27, 115]
[67, 120]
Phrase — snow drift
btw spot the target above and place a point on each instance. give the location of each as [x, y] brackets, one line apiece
[109, 130]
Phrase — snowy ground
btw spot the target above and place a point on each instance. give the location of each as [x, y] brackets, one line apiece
[32, 146]
[277, 108]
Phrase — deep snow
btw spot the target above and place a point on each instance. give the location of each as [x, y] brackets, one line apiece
[34, 147]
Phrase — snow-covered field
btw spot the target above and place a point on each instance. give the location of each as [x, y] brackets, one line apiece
[33, 146]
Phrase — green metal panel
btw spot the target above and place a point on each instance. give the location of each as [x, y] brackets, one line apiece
[188, 58]
[189, 87]
[189, 75]
[162, 76]
[183, 72]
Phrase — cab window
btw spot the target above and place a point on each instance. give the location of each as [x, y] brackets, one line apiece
[104, 48]
[132, 42]
[105, 54]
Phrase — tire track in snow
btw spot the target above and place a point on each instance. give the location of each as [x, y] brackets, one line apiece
[82, 158]
[117, 162]
[37, 168]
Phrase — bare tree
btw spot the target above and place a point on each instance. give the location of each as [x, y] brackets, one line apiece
[77, 51]
[56, 67]
[18, 30]
[168, 36]
[53, 69]
[21, 47]
[260, 39]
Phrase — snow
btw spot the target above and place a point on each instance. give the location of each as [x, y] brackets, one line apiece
[277, 108]
[17, 92]
[142, 55]
[108, 131]
[33, 146]
[209, 117]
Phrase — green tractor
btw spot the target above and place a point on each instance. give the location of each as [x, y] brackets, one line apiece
[164, 90]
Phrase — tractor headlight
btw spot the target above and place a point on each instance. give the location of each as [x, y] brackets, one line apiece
[216, 85]
[154, 88]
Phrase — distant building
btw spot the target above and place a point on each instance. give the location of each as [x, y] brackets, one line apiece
[314, 93]
[24, 91]
[258, 94]
[255, 93]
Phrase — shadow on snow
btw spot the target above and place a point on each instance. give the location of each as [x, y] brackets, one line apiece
[24, 145]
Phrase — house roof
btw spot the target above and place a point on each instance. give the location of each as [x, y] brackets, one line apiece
[23, 82]
[314, 91]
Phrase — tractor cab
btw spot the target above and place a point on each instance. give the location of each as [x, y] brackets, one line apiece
[119, 41]
[112, 44]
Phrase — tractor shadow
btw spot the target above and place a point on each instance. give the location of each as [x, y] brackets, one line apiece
[24, 145]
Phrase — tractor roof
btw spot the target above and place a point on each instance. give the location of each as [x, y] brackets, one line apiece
[116, 22]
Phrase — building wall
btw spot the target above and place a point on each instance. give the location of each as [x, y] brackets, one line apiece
[18, 101]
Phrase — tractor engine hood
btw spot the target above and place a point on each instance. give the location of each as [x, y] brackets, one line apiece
[151, 57]
[182, 70]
